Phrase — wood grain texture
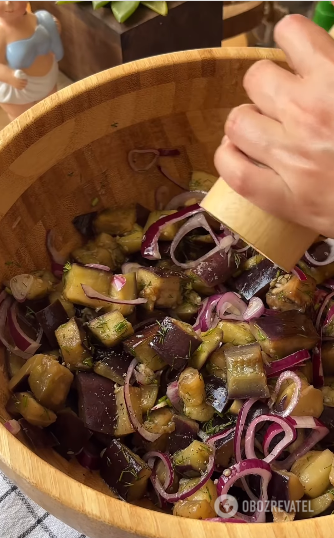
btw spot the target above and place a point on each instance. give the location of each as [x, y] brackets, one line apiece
[54, 160]
[240, 17]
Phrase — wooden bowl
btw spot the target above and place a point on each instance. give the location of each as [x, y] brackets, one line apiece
[55, 160]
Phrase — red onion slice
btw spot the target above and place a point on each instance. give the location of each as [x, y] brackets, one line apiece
[168, 152]
[92, 294]
[150, 247]
[98, 266]
[127, 396]
[289, 437]
[330, 258]
[231, 302]
[119, 282]
[322, 308]
[287, 363]
[273, 430]
[150, 458]
[288, 374]
[299, 273]
[5, 305]
[57, 259]
[219, 436]
[134, 152]
[165, 173]
[20, 286]
[21, 340]
[317, 369]
[130, 267]
[318, 433]
[205, 318]
[241, 470]
[255, 309]
[88, 459]
[173, 395]
[227, 520]
[12, 426]
[181, 199]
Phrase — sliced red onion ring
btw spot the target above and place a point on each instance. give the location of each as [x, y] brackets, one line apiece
[12, 426]
[167, 152]
[92, 294]
[287, 363]
[219, 436]
[20, 286]
[165, 173]
[299, 273]
[321, 310]
[289, 437]
[181, 199]
[317, 369]
[21, 340]
[144, 375]
[127, 396]
[161, 194]
[57, 259]
[119, 282]
[255, 309]
[231, 302]
[329, 283]
[273, 430]
[318, 433]
[88, 459]
[227, 520]
[330, 258]
[205, 319]
[5, 305]
[150, 248]
[241, 470]
[149, 457]
[174, 497]
[329, 317]
[134, 152]
[288, 374]
[98, 266]
[173, 395]
[130, 267]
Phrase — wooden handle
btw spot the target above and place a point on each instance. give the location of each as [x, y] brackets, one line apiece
[284, 243]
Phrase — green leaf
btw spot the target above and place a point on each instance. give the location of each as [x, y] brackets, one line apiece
[97, 5]
[159, 7]
[123, 10]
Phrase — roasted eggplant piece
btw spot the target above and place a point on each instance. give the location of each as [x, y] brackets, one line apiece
[313, 471]
[14, 363]
[255, 281]
[285, 486]
[19, 381]
[111, 328]
[201, 181]
[160, 421]
[246, 377]
[70, 338]
[216, 364]
[50, 318]
[84, 224]
[38, 283]
[216, 393]
[320, 506]
[131, 242]
[193, 460]
[92, 254]
[191, 387]
[327, 418]
[224, 449]
[288, 292]
[160, 287]
[139, 346]
[175, 342]
[124, 472]
[201, 504]
[128, 291]
[216, 269]
[237, 333]
[70, 432]
[149, 394]
[50, 382]
[110, 243]
[57, 295]
[76, 275]
[284, 333]
[188, 308]
[102, 407]
[184, 433]
[210, 341]
[38, 437]
[310, 402]
[26, 405]
[115, 221]
[112, 363]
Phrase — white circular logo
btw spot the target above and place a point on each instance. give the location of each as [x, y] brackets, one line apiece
[226, 506]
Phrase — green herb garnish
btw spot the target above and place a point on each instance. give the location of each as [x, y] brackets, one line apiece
[115, 124]
[88, 362]
[95, 201]
[121, 326]
[29, 313]
[67, 267]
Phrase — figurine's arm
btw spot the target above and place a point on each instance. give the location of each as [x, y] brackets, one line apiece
[6, 73]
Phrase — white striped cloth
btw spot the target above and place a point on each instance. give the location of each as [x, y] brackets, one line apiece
[20, 517]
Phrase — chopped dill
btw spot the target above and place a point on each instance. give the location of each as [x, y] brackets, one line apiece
[67, 267]
[88, 362]
[95, 201]
[121, 326]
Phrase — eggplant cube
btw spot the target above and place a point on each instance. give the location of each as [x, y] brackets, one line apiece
[50, 318]
[246, 377]
[185, 432]
[124, 472]
[78, 275]
[70, 339]
[128, 291]
[216, 269]
[256, 280]
[175, 342]
[50, 382]
[110, 328]
[288, 292]
[70, 432]
[284, 333]
[138, 346]
[112, 364]
[192, 460]
[115, 221]
[160, 287]
[35, 413]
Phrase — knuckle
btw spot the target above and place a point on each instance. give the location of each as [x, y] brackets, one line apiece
[238, 180]
[235, 120]
[289, 24]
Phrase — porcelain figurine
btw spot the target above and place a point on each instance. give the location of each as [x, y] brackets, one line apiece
[30, 49]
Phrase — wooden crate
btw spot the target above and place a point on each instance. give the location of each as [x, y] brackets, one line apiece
[94, 40]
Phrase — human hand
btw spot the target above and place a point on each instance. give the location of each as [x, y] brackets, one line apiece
[289, 131]
[18, 83]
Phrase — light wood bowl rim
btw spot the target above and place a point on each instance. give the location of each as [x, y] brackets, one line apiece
[84, 499]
